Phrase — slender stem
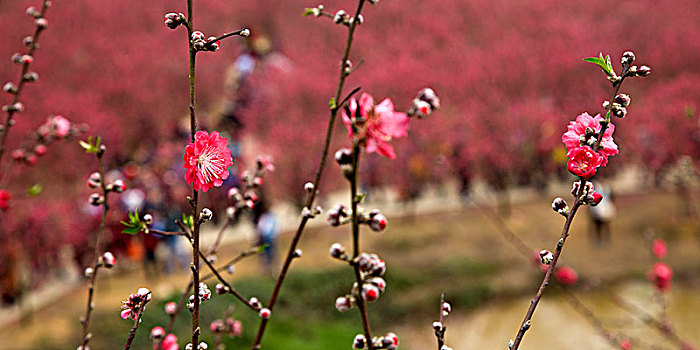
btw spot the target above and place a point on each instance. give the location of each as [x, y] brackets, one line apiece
[164, 233]
[195, 194]
[361, 305]
[132, 333]
[642, 315]
[187, 289]
[545, 282]
[590, 317]
[317, 179]
[22, 81]
[96, 266]
[440, 334]
[224, 36]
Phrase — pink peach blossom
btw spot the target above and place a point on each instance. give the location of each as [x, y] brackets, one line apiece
[5, 200]
[584, 162]
[375, 125]
[660, 275]
[575, 136]
[658, 247]
[207, 160]
[566, 276]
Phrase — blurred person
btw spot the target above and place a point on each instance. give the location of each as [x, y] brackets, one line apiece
[266, 226]
[602, 214]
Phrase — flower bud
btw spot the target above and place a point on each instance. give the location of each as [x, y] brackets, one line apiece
[420, 108]
[377, 222]
[437, 325]
[108, 260]
[308, 187]
[373, 2]
[428, 95]
[28, 40]
[10, 88]
[88, 272]
[265, 313]
[343, 303]
[644, 71]
[40, 149]
[230, 269]
[623, 100]
[205, 215]
[619, 111]
[254, 302]
[96, 199]
[170, 308]
[546, 256]
[343, 156]
[627, 57]
[370, 292]
[26, 59]
[391, 341]
[245, 32]
[213, 45]
[173, 20]
[340, 17]
[359, 19]
[446, 309]
[119, 186]
[157, 333]
[148, 219]
[337, 250]
[19, 154]
[379, 282]
[297, 253]
[32, 12]
[221, 289]
[596, 198]
[197, 36]
[360, 342]
[217, 326]
[41, 23]
[231, 213]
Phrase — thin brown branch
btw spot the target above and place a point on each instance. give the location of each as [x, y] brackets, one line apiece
[317, 179]
[20, 85]
[132, 333]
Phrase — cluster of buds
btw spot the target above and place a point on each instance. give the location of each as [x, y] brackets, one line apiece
[660, 275]
[174, 20]
[633, 71]
[341, 17]
[15, 107]
[204, 295]
[619, 105]
[589, 195]
[229, 326]
[248, 199]
[30, 158]
[131, 306]
[338, 215]
[559, 205]
[201, 43]
[308, 213]
[375, 220]
[201, 346]
[95, 181]
[424, 104]
[316, 11]
[388, 341]
[24, 59]
[439, 326]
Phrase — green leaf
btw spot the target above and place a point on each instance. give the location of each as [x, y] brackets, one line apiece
[262, 247]
[131, 230]
[308, 11]
[86, 146]
[331, 103]
[360, 197]
[34, 190]
[602, 62]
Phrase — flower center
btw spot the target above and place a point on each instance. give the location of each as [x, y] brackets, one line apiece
[210, 164]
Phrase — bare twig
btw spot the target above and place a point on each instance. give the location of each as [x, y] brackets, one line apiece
[317, 179]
